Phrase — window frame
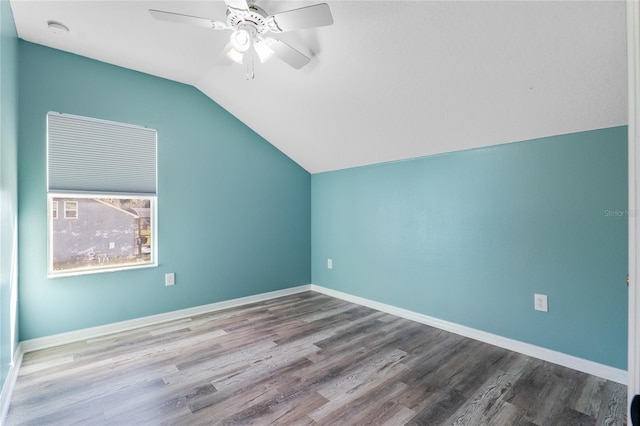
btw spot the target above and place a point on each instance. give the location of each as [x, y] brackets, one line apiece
[68, 210]
[100, 159]
[153, 260]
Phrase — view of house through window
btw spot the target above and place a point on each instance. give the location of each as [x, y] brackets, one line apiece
[99, 233]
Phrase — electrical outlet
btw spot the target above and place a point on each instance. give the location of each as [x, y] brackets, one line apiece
[329, 264]
[170, 279]
[540, 302]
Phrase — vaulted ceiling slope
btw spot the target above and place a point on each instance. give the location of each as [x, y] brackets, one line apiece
[389, 80]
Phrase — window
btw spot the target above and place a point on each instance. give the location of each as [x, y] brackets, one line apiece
[101, 233]
[103, 176]
[70, 209]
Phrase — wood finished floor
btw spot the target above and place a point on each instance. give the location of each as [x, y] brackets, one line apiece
[299, 360]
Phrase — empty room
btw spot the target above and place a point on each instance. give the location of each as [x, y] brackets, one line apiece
[297, 212]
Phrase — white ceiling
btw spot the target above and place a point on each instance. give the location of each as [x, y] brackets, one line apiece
[389, 80]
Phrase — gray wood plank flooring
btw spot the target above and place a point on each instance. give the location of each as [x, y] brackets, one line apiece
[302, 360]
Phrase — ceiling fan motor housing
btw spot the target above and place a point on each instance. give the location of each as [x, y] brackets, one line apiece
[255, 17]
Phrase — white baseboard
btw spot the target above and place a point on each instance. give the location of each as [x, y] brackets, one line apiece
[10, 382]
[579, 364]
[102, 330]
[575, 363]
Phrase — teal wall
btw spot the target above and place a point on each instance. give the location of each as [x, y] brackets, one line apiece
[8, 186]
[233, 211]
[469, 237]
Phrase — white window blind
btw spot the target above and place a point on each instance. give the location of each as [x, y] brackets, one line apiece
[91, 155]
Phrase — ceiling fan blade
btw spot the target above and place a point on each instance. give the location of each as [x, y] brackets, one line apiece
[187, 19]
[237, 4]
[288, 54]
[317, 15]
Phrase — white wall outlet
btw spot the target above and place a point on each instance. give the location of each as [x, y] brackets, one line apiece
[170, 279]
[540, 302]
[329, 264]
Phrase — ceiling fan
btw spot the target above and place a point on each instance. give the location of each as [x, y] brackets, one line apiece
[250, 23]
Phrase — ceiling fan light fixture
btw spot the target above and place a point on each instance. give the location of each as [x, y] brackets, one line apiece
[234, 55]
[264, 50]
[241, 40]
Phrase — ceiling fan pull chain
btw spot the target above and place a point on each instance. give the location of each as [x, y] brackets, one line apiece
[248, 58]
